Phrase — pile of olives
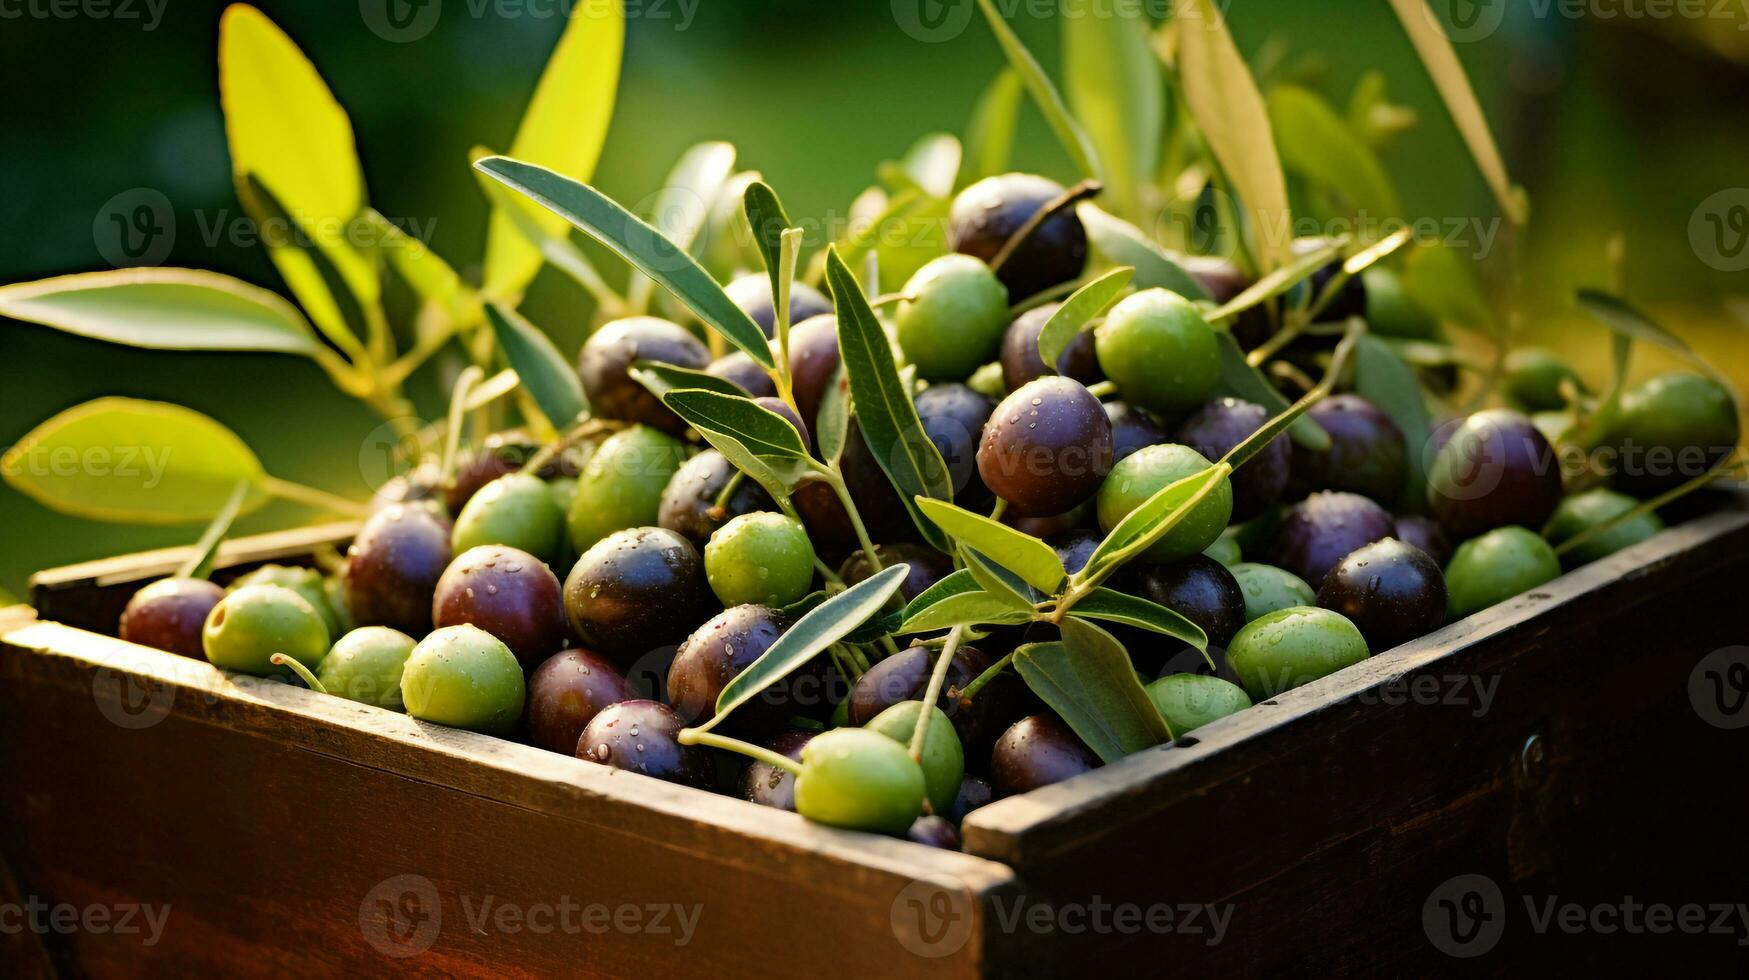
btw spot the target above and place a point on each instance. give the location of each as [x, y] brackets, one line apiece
[599, 609]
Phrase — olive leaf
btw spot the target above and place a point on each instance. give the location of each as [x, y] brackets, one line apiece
[1242, 379]
[767, 218]
[543, 371]
[684, 203]
[964, 609]
[1078, 310]
[1088, 680]
[1382, 377]
[759, 442]
[989, 141]
[337, 286]
[832, 420]
[563, 130]
[1114, 84]
[1623, 319]
[1045, 95]
[886, 415]
[1317, 143]
[438, 286]
[1281, 280]
[998, 582]
[1036, 563]
[638, 243]
[555, 247]
[1441, 281]
[1121, 243]
[886, 624]
[661, 378]
[931, 164]
[1153, 520]
[954, 583]
[826, 624]
[1117, 607]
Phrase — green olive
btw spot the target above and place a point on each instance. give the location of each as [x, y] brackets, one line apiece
[251, 624]
[622, 485]
[563, 490]
[464, 677]
[1190, 701]
[1225, 550]
[944, 759]
[365, 665]
[1581, 512]
[859, 780]
[517, 511]
[1294, 647]
[1269, 589]
[761, 558]
[1160, 352]
[1672, 429]
[953, 318]
[1391, 312]
[306, 582]
[1536, 378]
[1147, 472]
[1500, 565]
[988, 381]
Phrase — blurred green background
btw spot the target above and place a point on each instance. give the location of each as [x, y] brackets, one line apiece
[1612, 124]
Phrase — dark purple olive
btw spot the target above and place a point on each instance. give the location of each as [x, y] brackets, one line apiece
[643, 737]
[752, 293]
[778, 407]
[1497, 470]
[566, 692]
[1047, 447]
[637, 590]
[879, 504]
[1021, 361]
[1131, 431]
[501, 454]
[813, 360]
[904, 676]
[1350, 301]
[393, 566]
[723, 647]
[1223, 280]
[953, 418]
[1426, 534]
[418, 486]
[1037, 751]
[1394, 592]
[987, 214]
[1320, 531]
[689, 502]
[766, 784]
[934, 832]
[1220, 427]
[928, 566]
[1368, 454]
[611, 351]
[974, 793]
[745, 372]
[1074, 548]
[1201, 590]
[169, 614]
[508, 593]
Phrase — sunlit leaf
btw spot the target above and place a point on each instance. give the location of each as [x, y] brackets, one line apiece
[1114, 85]
[1088, 680]
[684, 203]
[1079, 310]
[1242, 379]
[661, 378]
[989, 141]
[545, 373]
[1121, 243]
[1129, 610]
[1044, 94]
[1318, 144]
[1032, 560]
[964, 609]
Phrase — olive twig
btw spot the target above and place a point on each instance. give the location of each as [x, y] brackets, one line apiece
[937, 680]
[312, 497]
[281, 660]
[990, 673]
[693, 736]
[1102, 389]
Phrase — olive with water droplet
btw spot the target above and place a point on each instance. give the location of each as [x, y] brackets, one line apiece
[1394, 592]
[567, 691]
[1046, 447]
[637, 590]
[248, 626]
[1190, 701]
[644, 737]
[1148, 472]
[1292, 648]
[393, 566]
[622, 485]
[464, 677]
[517, 511]
[610, 353]
[763, 557]
[508, 593]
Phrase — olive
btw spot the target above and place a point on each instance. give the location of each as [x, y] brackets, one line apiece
[1325, 528]
[1368, 453]
[689, 501]
[563, 491]
[723, 647]
[1190, 701]
[1226, 550]
[1037, 750]
[1222, 426]
[944, 760]
[393, 566]
[882, 511]
[928, 567]
[608, 357]
[768, 785]
[637, 590]
[499, 454]
[953, 417]
[1133, 481]
[1292, 648]
[517, 511]
[248, 626]
[813, 362]
[169, 614]
[1021, 361]
[306, 582]
[1581, 512]
[1201, 590]
[1670, 430]
[1160, 352]
[1497, 470]
[1536, 379]
[417, 487]
[1269, 589]
[859, 780]
[1394, 593]
[986, 215]
[1131, 431]
[1426, 534]
[934, 832]
[778, 407]
[752, 293]
[644, 737]
[1350, 301]
[366, 665]
[464, 677]
[623, 484]
[952, 319]
[1503, 564]
[745, 373]
[974, 793]
[762, 557]
[1046, 448]
[1392, 312]
[509, 594]
[904, 676]
[566, 692]
[1074, 548]
[1224, 281]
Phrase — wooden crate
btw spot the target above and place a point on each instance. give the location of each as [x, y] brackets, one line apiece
[1551, 746]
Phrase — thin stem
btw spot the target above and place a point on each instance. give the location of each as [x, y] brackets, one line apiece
[1069, 198]
[997, 511]
[458, 409]
[200, 564]
[281, 660]
[836, 482]
[581, 432]
[990, 673]
[937, 680]
[312, 497]
[788, 254]
[1655, 504]
[694, 736]
[1102, 389]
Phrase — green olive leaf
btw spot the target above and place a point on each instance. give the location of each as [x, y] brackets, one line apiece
[1241, 379]
[335, 283]
[966, 609]
[555, 247]
[661, 378]
[1045, 95]
[767, 218]
[1079, 310]
[131, 461]
[545, 374]
[955, 583]
[1087, 678]
[1035, 562]
[448, 302]
[828, 623]
[684, 204]
[886, 624]
[1281, 280]
[1382, 377]
[932, 163]
[1120, 243]
[989, 142]
[832, 421]
[1316, 143]
[1116, 607]
[1114, 84]
[1624, 320]
[1151, 521]
[999, 583]
[760, 443]
[643, 246]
